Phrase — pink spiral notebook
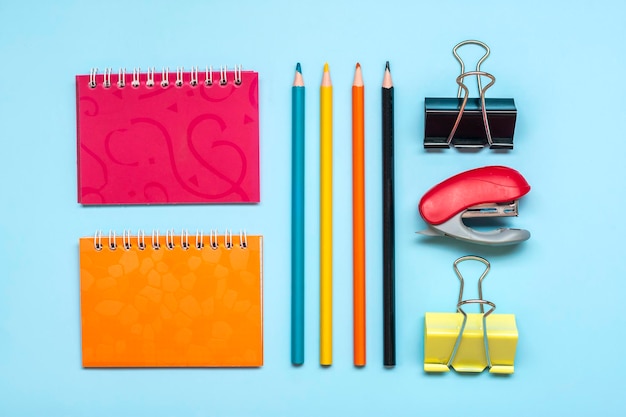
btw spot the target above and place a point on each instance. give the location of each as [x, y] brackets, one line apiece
[168, 138]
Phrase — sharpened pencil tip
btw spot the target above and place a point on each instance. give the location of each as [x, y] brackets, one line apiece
[358, 76]
[298, 81]
[387, 83]
[326, 67]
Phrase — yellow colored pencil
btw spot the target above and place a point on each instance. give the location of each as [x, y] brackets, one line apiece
[326, 219]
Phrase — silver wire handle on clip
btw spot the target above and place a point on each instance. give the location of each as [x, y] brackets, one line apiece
[462, 87]
[182, 241]
[480, 280]
[480, 301]
[483, 110]
[480, 61]
[137, 77]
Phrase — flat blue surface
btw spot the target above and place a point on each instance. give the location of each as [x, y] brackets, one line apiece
[563, 62]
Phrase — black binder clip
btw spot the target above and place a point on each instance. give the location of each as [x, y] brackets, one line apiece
[470, 122]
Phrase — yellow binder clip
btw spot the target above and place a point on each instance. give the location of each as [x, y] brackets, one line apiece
[470, 342]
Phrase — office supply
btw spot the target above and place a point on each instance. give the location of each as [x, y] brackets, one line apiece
[491, 191]
[389, 303]
[326, 219]
[470, 342]
[470, 123]
[297, 219]
[358, 216]
[171, 300]
[160, 138]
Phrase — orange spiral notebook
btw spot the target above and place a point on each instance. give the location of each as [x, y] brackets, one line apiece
[155, 137]
[171, 300]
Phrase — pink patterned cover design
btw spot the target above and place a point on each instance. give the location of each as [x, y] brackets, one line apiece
[168, 145]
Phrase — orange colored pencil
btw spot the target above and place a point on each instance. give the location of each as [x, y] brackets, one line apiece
[358, 215]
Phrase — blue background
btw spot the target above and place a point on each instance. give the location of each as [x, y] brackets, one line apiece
[563, 62]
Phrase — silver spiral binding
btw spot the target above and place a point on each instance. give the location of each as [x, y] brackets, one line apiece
[126, 240]
[172, 241]
[165, 77]
[104, 79]
[150, 77]
[184, 240]
[169, 239]
[156, 244]
[228, 239]
[199, 240]
[112, 240]
[179, 76]
[121, 78]
[107, 78]
[97, 240]
[194, 77]
[92, 78]
[141, 240]
[243, 239]
[213, 239]
[208, 80]
[135, 83]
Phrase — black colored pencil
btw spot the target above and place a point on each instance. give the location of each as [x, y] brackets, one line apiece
[389, 302]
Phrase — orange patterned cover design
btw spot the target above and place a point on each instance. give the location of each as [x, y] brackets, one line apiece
[171, 307]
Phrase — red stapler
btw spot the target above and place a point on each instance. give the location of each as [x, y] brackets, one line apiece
[491, 191]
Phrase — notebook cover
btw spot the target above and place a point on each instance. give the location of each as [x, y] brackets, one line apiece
[167, 145]
[171, 307]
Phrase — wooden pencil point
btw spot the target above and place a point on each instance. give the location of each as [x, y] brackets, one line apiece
[358, 77]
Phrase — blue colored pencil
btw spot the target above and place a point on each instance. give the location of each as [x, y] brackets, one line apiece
[297, 220]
